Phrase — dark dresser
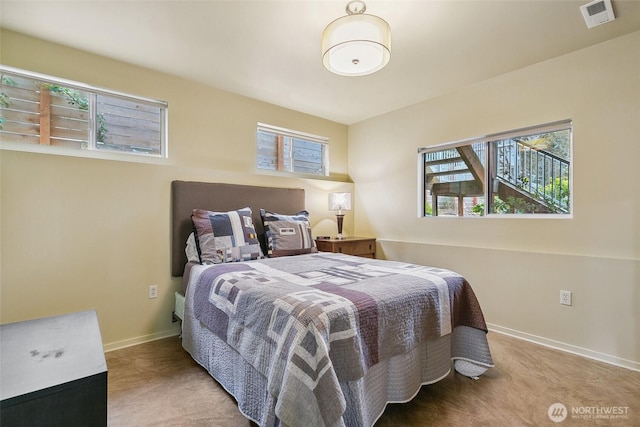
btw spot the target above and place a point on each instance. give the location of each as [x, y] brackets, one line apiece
[53, 372]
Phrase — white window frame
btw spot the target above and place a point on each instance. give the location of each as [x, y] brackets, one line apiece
[308, 137]
[488, 139]
[90, 150]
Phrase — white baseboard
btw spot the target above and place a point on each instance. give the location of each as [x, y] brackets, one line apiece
[145, 338]
[584, 352]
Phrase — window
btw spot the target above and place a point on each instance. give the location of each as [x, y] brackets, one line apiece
[526, 171]
[291, 151]
[43, 111]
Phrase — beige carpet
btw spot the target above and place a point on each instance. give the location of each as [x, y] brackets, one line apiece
[158, 384]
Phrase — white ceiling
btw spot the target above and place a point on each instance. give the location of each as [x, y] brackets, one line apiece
[270, 50]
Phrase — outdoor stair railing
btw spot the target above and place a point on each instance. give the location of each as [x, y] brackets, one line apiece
[538, 173]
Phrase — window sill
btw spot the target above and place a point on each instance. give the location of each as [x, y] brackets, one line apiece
[91, 154]
[283, 174]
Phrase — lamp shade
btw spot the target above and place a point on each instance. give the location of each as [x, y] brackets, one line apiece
[339, 202]
[356, 45]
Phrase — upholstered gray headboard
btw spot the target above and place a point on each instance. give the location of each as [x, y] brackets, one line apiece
[187, 195]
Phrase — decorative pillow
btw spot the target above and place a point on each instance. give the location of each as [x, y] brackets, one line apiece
[287, 234]
[191, 250]
[225, 236]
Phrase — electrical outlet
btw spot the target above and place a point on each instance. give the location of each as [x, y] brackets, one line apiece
[565, 297]
[153, 291]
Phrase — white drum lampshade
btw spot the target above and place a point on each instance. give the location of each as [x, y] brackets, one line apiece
[357, 44]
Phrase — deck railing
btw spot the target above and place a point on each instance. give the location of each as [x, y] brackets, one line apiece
[542, 175]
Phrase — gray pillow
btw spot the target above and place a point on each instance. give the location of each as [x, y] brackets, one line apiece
[225, 236]
[287, 234]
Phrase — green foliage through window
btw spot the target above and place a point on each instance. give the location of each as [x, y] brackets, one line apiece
[38, 110]
[519, 172]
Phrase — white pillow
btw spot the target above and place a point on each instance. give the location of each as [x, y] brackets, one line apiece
[192, 250]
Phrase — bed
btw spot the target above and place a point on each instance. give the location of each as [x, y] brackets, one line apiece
[313, 338]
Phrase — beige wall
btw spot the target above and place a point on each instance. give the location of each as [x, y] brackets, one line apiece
[79, 233]
[518, 266]
[82, 233]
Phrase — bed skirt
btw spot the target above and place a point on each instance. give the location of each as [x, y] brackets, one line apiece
[395, 380]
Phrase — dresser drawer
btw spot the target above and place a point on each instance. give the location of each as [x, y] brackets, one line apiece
[359, 246]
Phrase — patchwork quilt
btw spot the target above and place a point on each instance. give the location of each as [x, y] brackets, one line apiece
[312, 321]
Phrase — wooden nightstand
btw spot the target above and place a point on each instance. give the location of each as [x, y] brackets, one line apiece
[360, 246]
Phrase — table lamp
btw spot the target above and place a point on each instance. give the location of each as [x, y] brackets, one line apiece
[340, 202]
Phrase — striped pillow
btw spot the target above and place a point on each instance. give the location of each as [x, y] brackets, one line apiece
[225, 236]
[287, 234]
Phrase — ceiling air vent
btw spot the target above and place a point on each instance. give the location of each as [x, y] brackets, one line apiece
[597, 12]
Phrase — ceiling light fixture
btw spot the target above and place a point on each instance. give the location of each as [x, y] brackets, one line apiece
[357, 44]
